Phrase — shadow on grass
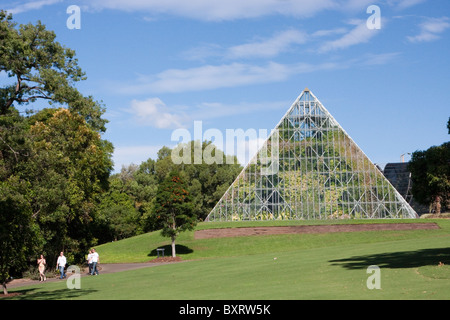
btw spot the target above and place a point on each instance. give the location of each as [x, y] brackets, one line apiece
[179, 249]
[60, 294]
[404, 259]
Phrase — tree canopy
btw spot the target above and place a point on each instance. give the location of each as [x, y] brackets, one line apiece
[173, 207]
[40, 68]
[54, 164]
[430, 174]
[128, 207]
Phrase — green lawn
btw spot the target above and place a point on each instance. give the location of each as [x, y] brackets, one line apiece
[302, 266]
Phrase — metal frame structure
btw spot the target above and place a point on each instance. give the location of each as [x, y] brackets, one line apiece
[310, 168]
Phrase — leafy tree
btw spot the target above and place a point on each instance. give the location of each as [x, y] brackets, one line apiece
[117, 218]
[18, 233]
[164, 164]
[57, 154]
[125, 207]
[68, 169]
[17, 228]
[207, 182]
[41, 68]
[145, 195]
[137, 185]
[174, 207]
[430, 174]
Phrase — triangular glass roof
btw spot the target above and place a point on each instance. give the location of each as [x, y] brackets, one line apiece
[310, 168]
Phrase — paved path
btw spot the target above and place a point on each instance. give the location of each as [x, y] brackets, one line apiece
[105, 268]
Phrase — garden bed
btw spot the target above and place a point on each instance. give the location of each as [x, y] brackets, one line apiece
[254, 231]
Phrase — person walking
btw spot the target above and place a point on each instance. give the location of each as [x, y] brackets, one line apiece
[89, 261]
[95, 261]
[61, 264]
[41, 265]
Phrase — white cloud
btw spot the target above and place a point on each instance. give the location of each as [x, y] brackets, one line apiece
[403, 4]
[218, 76]
[153, 112]
[431, 29]
[328, 32]
[30, 5]
[260, 48]
[359, 34]
[355, 5]
[209, 77]
[378, 59]
[211, 10]
[267, 48]
[217, 10]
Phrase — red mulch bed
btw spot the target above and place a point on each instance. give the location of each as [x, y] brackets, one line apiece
[241, 232]
[166, 259]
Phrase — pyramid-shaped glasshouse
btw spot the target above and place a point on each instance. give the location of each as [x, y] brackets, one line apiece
[310, 168]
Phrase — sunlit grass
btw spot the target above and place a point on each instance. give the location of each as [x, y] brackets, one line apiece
[285, 267]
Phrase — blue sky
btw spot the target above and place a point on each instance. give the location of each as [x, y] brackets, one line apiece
[161, 65]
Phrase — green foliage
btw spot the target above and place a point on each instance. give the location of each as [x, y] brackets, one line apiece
[135, 186]
[63, 165]
[68, 167]
[53, 163]
[173, 206]
[117, 216]
[41, 68]
[430, 174]
[207, 181]
[18, 233]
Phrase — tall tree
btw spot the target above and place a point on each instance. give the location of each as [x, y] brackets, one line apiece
[207, 182]
[174, 207]
[39, 68]
[125, 208]
[430, 174]
[68, 169]
[57, 154]
[18, 233]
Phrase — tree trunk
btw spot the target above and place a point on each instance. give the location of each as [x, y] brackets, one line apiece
[5, 291]
[437, 204]
[173, 247]
[174, 227]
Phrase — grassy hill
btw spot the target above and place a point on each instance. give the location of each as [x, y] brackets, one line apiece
[285, 267]
[143, 248]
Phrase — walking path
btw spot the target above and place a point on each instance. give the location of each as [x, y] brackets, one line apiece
[105, 268]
